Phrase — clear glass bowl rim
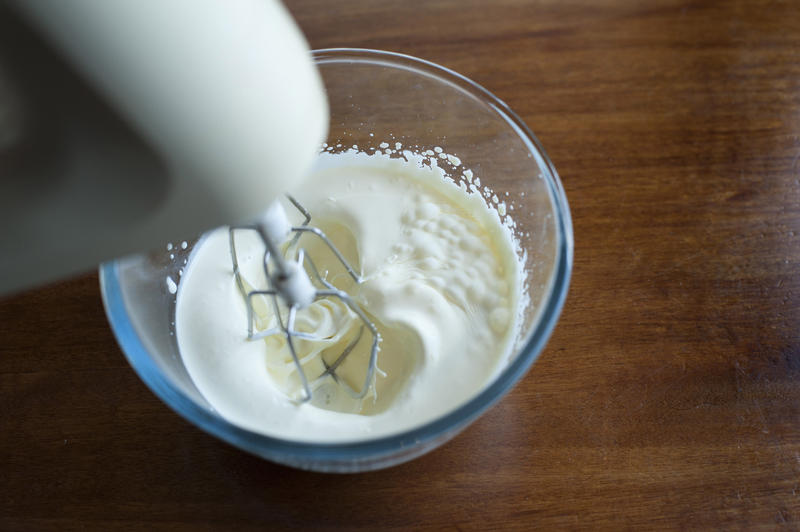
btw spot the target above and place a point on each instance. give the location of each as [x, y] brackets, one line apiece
[298, 452]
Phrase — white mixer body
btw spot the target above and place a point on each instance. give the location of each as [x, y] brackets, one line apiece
[141, 122]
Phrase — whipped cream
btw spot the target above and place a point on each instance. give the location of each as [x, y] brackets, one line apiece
[440, 281]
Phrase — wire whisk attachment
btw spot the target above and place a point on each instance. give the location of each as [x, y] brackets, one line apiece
[292, 277]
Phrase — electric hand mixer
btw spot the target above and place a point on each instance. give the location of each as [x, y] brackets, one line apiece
[124, 120]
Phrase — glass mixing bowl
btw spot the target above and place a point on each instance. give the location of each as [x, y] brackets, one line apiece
[374, 97]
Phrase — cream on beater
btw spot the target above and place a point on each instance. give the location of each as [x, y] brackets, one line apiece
[441, 283]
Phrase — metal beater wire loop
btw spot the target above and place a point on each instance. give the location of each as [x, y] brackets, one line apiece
[324, 289]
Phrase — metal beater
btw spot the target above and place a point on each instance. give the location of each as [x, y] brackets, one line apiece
[288, 279]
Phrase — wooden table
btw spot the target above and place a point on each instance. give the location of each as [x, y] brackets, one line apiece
[669, 395]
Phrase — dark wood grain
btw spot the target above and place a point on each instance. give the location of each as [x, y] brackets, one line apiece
[669, 395]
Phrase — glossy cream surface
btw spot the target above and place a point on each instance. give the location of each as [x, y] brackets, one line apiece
[440, 282]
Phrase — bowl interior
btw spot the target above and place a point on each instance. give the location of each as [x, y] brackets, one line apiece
[378, 97]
